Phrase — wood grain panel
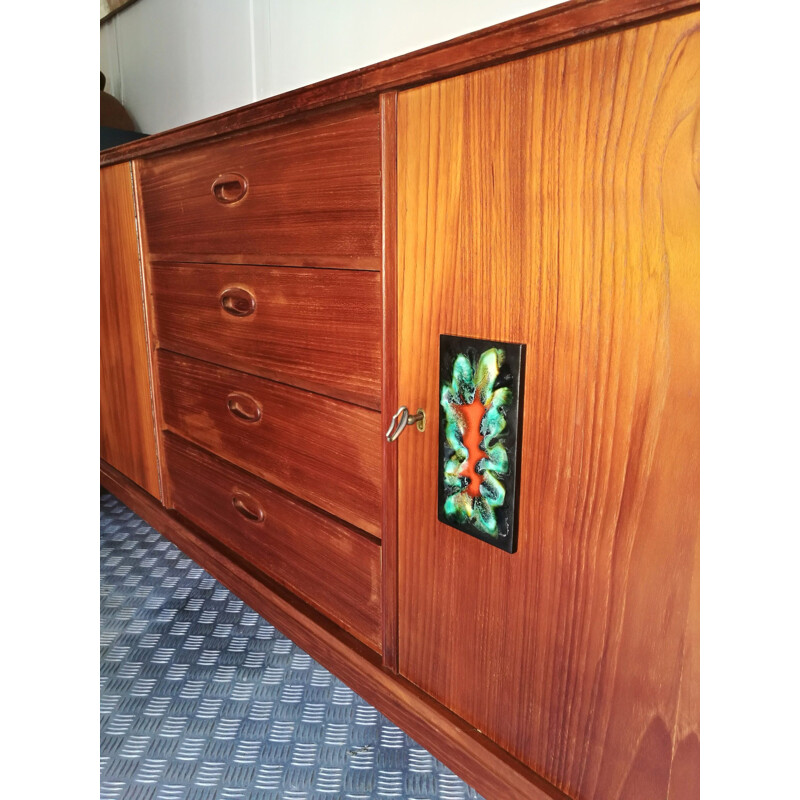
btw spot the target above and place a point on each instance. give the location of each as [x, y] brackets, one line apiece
[321, 450]
[312, 195]
[127, 427]
[554, 201]
[315, 329]
[332, 567]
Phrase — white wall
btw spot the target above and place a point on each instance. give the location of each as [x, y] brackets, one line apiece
[176, 61]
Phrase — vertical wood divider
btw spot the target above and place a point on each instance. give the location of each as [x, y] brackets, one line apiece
[150, 333]
[389, 399]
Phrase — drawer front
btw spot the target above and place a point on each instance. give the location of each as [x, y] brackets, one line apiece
[324, 451]
[328, 565]
[315, 329]
[304, 193]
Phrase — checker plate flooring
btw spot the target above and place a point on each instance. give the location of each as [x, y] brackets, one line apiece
[201, 698]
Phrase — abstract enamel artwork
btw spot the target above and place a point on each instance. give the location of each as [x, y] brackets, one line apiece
[480, 386]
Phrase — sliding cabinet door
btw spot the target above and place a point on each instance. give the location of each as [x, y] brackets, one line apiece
[554, 202]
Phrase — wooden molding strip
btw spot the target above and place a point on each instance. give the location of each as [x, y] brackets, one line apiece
[149, 329]
[389, 399]
[550, 27]
[471, 755]
[109, 8]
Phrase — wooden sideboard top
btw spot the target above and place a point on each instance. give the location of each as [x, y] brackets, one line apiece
[541, 30]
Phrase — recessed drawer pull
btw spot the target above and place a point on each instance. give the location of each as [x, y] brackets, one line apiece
[238, 302]
[229, 188]
[244, 407]
[248, 507]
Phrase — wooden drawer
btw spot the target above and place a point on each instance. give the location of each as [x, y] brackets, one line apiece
[315, 329]
[327, 564]
[322, 450]
[312, 195]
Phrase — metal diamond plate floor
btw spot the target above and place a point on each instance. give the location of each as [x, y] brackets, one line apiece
[201, 698]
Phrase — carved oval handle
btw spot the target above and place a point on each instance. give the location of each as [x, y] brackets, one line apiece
[244, 407]
[229, 188]
[237, 301]
[248, 507]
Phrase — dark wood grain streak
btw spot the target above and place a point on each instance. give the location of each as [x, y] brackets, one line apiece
[329, 565]
[314, 329]
[551, 27]
[322, 450]
[272, 258]
[312, 194]
[127, 424]
[389, 399]
[554, 201]
[475, 758]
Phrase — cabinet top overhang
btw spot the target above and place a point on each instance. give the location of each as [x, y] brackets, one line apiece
[542, 30]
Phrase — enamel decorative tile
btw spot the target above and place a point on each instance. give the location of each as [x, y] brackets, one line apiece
[480, 384]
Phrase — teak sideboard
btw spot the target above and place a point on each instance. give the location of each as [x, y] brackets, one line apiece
[274, 283]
